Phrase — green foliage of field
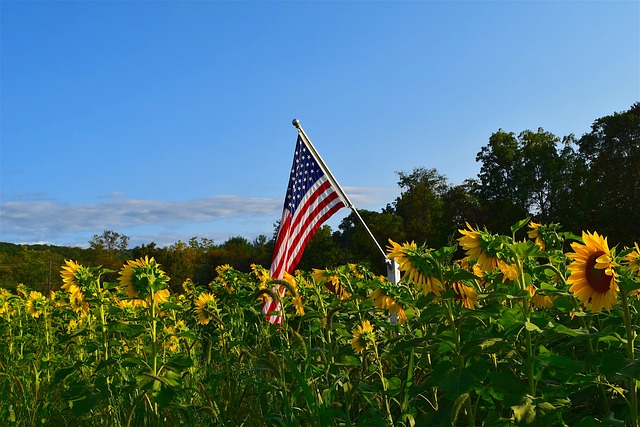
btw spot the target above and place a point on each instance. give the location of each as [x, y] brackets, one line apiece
[512, 345]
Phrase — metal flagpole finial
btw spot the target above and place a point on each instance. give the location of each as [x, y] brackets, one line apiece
[296, 123]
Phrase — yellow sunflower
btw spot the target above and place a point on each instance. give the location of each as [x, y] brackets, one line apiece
[297, 303]
[5, 295]
[386, 302]
[140, 275]
[226, 277]
[69, 273]
[205, 308]
[363, 337]
[407, 256]
[22, 290]
[262, 274]
[534, 233]
[540, 301]
[331, 283]
[632, 260]
[509, 271]
[36, 304]
[189, 287]
[467, 296]
[355, 270]
[593, 279]
[476, 245]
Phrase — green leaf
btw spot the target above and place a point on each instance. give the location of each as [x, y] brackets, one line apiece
[562, 329]
[393, 385]
[63, 373]
[347, 360]
[524, 413]
[84, 404]
[531, 327]
[518, 225]
[172, 306]
[163, 395]
[627, 285]
[459, 381]
[459, 275]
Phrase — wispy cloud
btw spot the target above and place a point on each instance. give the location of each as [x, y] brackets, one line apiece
[38, 219]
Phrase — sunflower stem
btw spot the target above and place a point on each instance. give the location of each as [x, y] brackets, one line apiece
[631, 337]
[387, 406]
[526, 309]
[456, 337]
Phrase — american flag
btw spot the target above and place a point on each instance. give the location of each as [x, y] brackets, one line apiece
[311, 199]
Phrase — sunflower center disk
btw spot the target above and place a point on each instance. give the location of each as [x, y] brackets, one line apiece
[597, 279]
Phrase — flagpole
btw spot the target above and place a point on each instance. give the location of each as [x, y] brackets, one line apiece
[335, 184]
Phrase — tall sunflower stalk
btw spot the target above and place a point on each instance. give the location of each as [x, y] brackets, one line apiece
[423, 267]
[596, 282]
[82, 283]
[364, 338]
[145, 282]
[629, 285]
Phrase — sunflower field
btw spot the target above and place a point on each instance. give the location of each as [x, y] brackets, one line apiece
[535, 328]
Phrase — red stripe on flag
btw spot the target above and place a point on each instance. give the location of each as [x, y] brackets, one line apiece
[310, 201]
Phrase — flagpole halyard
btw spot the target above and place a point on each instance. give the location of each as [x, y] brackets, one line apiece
[334, 182]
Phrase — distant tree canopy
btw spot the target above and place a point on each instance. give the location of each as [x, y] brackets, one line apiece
[591, 183]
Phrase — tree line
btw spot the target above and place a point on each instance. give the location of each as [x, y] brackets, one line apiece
[587, 183]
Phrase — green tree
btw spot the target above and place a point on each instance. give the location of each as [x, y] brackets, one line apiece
[461, 205]
[610, 190]
[355, 243]
[522, 176]
[321, 251]
[108, 249]
[421, 205]
[236, 251]
[500, 191]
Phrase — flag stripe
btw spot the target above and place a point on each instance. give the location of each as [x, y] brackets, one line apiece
[319, 206]
[311, 226]
[310, 200]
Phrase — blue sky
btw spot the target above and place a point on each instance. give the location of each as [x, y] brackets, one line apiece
[168, 120]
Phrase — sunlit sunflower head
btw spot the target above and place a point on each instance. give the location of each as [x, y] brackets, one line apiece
[206, 308]
[509, 271]
[479, 247]
[297, 303]
[363, 337]
[262, 274]
[189, 287]
[79, 305]
[381, 299]
[36, 304]
[398, 310]
[72, 325]
[172, 341]
[593, 279]
[78, 279]
[22, 290]
[332, 282]
[129, 307]
[467, 296]
[142, 275]
[538, 300]
[4, 300]
[534, 233]
[222, 269]
[356, 270]
[632, 260]
[159, 297]
[415, 262]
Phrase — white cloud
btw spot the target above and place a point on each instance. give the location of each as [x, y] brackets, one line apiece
[27, 220]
